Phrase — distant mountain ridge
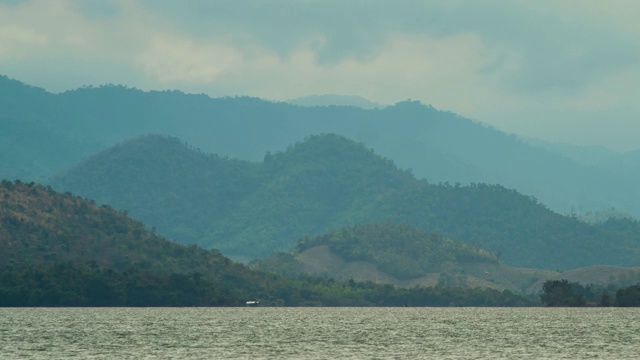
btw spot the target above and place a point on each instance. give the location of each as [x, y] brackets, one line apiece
[334, 100]
[328, 182]
[437, 145]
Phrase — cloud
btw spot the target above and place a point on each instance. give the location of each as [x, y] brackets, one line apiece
[534, 67]
[172, 59]
[15, 39]
[403, 67]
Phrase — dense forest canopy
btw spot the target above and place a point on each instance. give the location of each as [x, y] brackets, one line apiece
[563, 293]
[251, 209]
[61, 250]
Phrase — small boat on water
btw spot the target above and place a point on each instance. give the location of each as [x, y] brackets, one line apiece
[253, 303]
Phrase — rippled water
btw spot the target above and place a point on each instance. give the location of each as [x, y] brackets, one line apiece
[320, 333]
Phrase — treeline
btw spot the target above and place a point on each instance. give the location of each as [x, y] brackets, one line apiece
[565, 293]
[69, 284]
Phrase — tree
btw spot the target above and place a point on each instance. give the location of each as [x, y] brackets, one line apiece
[629, 296]
[562, 293]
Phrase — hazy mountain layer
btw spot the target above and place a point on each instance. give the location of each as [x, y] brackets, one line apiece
[327, 182]
[437, 145]
[334, 100]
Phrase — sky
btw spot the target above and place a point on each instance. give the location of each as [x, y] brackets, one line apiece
[558, 70]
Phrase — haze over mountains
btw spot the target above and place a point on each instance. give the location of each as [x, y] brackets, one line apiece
[437, 145]
[354, 155]
[334, 100]
[264, 198]
[250, 210]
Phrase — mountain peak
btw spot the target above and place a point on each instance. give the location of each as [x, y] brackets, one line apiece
[328, 147]
[334, 100]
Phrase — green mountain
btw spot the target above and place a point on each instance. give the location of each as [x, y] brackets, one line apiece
[164, 183]
[43, 134]
[403, 256]
[397, 253]
[61, 250]
[32, 146]
[399, 250]
[39, 226]
[249, 210]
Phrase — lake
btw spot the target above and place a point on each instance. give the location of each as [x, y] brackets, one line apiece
[320, 333]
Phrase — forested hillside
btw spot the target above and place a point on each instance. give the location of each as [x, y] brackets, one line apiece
[61, 250]
[399, 250]
[403, 256]
[35, 142]
[165, 183]
[45, 133]
[326, 182]
[39, 227]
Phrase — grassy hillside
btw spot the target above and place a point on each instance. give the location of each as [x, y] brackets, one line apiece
[403, 256]
[399, 250]
[326, 182]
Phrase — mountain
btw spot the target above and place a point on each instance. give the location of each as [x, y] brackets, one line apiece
[61, 250]
[586, 155]
[249, 210]
[437, 145]
[334, 100]
[403, 256]
[197, 198]
[164, 183]
[39, 226]
[57, 249]
[32, 146]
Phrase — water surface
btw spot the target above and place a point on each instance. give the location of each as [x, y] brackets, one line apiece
[320, 333]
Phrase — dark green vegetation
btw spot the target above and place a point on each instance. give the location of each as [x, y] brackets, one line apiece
[326, 182]
[62, 244]
[403, 256]
[166, 184]
[399, 250]
[565, 293]
[43, 134]
[61, 250]
[69, 284]
[329, 182]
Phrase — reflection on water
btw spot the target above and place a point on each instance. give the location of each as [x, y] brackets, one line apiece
[320, 333]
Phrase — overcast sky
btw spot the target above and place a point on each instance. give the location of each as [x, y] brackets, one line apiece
[559, 70]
